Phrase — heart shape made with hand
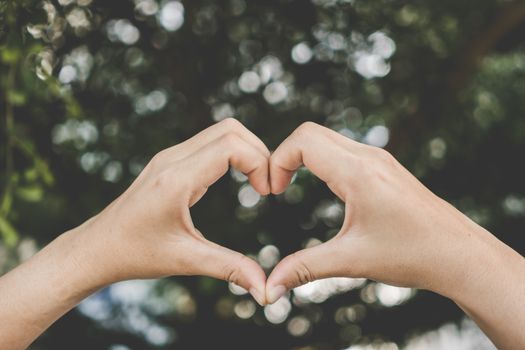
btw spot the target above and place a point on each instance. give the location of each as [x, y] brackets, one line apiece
[358, 249]
[371, 242]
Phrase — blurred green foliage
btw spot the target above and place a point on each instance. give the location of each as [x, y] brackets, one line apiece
[90, 90]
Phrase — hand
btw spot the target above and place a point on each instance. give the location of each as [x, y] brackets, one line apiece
[147, 232]
[395, 230]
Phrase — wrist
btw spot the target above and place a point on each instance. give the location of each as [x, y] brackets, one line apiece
[43, 288]
[490, 289]
[78, 261]
[471, 265]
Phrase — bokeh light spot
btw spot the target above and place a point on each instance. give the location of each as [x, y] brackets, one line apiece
[67, 74]
[299, 326]
[171, 16]
[275, 92]
[236, 289]
[244, 309]
[249, 82]
[302, 53]
[268, 256]
[248, 197]
[371, 65]
[378, 136]
[278, 312]
[391, 296]
[320, 290]
[122, 30]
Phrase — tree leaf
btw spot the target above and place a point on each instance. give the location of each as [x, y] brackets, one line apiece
[32, 193]
[8, 232]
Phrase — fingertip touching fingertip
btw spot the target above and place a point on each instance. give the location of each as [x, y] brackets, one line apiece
[263, 190]
[259, 297]
[267, 189]
[275, 189]
[275, 293]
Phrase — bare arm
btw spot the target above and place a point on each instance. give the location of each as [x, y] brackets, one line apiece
[145, 233]
[398, 232]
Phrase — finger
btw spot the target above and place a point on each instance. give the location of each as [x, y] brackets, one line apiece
[229, 125]
[312, 146]
[212, 161]
[220, 262]
[302, 267]
[338, 138]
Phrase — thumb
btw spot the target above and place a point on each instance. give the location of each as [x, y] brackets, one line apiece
[220, 262]
[307, 265]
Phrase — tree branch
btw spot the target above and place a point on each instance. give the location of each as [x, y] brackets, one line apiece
[510, 16]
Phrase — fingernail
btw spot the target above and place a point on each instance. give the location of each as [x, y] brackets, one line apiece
[259, 298]
[275, 293]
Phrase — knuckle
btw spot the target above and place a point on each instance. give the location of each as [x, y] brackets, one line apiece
[277, 167]
[306, 129]
[231, 271]
[380, 177]
[158, 158]
[303, 273]
[382, 166]
[266, 151]
[384, 156]
[164, 181]
[260, 161]
[230, 140]
[232, 124]
[161, 180]
[351, 166]
[231, 275]
[351, 160]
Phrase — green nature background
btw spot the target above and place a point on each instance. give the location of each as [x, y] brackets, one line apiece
[91, 89]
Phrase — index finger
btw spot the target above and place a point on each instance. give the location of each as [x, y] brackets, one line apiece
[212, 161]
[226, 126]
[313, 146]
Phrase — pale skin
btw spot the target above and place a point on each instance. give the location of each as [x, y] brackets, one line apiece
[395, 231]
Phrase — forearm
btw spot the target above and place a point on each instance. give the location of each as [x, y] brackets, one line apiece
[490, 288]
[39, 291]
